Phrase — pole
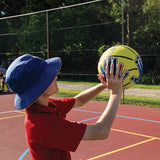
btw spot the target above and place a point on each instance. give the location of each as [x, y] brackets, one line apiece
[47, 30]
[123, 37]
[122, 21]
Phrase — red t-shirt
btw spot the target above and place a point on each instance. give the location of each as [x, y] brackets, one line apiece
[49, 135]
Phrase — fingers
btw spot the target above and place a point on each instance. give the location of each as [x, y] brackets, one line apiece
[101, 78]
[115, 73]
[123, 75]
[110, 73]
[112, 70]
[107, 72]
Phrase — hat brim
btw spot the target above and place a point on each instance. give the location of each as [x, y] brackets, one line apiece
[42, 82]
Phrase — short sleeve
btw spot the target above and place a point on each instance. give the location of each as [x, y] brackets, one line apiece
[63, 134]
[63, 105]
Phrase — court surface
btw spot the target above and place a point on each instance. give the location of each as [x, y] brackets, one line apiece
[135, 133]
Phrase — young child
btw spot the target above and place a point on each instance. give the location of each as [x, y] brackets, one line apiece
[3, 76]
[50, 136]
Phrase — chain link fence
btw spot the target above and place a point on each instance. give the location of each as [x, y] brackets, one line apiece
[76, 33]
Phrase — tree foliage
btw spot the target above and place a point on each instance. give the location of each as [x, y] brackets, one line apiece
[80, 34]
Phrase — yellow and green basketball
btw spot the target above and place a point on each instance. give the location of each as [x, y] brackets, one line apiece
[128, 59]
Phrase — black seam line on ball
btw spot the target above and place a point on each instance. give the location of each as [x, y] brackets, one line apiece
[126, 84]
[122, 57]
[129, 49]
[132, 69]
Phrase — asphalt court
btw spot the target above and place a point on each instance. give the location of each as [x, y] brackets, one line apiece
[134, 135]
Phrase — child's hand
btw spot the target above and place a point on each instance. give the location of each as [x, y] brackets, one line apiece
[113, 82]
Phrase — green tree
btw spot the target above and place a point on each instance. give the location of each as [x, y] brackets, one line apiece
[11, 7]
[148, 29]
[147, 34]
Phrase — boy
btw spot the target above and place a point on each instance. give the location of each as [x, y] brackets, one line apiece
[49, 135]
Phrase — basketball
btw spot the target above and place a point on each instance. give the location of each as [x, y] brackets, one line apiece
[128, 59]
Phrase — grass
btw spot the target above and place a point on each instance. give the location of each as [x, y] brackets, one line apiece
[146, 86]
[78, 82]
[94, 83]
[129, 99]
[134, 100]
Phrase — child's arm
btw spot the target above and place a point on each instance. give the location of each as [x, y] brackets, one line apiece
[101, 129]
[88, 94]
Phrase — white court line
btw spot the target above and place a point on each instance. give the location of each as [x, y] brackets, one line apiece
[127, 117]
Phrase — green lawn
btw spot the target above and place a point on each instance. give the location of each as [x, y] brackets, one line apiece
[129, 99]
[94, 83]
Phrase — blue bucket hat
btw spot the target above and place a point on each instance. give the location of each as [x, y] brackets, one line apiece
[29, 76]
